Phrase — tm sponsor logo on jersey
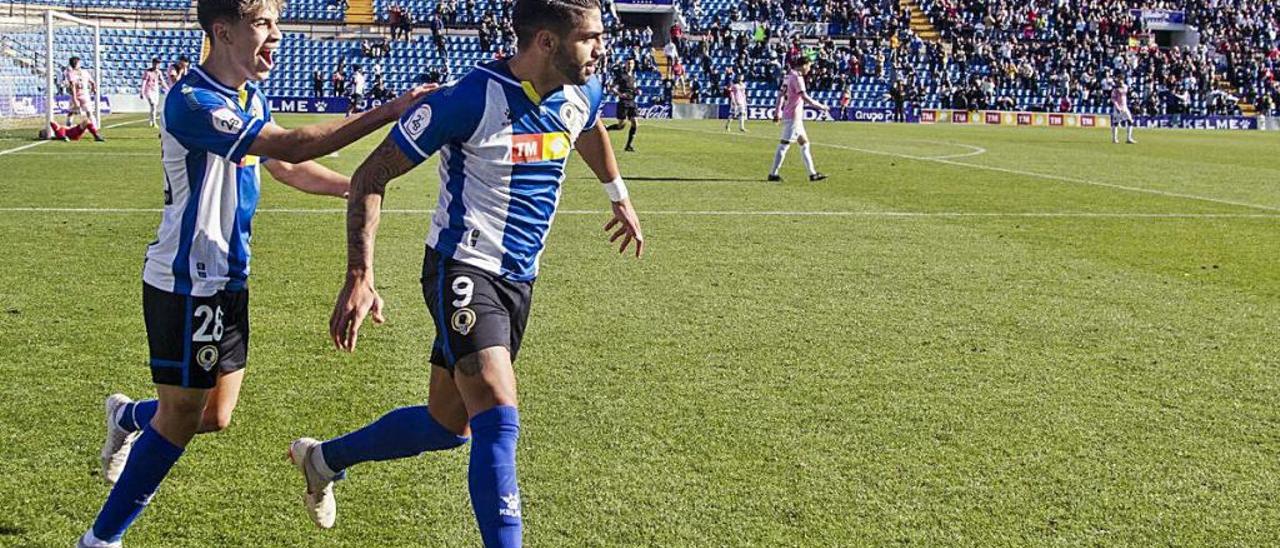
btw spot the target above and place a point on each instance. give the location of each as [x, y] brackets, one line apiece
[539, 147]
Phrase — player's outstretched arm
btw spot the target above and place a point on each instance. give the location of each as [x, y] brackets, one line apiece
[364, 206]
[596, 150]
[809, 100]
[310, 177]
[310, 142]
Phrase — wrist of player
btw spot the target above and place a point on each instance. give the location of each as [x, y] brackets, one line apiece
[616, 190]
[360, 275]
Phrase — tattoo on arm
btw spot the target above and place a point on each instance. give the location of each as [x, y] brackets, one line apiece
[368, 185]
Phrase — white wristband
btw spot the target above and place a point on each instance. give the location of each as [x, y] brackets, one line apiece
[616, 189]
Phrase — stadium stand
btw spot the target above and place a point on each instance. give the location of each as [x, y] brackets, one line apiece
[1056, 55]
[140, 5]
[1037, 55]
[322, 11]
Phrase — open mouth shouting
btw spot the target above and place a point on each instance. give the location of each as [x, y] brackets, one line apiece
[265, 59]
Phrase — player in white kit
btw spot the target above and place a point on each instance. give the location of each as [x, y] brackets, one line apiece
[737, 105]
[358, 81]
[81, 86]
[791, 100]
[1120, 111]
[153, 86]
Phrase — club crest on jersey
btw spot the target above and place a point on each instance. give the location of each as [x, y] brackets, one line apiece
[539, 147]
[463, 320]
[207, 356]
[226, 121]
[418, 122]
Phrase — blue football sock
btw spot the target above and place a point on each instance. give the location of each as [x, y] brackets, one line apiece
[148, 463]
[137, 415]
[405, 432]
[495, 497]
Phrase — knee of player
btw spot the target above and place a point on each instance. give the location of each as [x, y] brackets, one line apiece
[181, 410]
[215, 421]
[179, 419]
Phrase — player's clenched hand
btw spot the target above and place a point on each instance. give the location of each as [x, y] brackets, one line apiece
[625, 225]
[357, 300]
[404, 102]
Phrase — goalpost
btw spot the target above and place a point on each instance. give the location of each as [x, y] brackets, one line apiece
[33, 52]
[50, 28]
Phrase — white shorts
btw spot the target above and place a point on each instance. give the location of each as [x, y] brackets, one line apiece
[82, 104]
[737, 112]
[153, 99]
[1121, 115]
[793, 129]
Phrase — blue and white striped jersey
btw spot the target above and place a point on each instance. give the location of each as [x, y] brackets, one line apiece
[210, 187]
[502, 158]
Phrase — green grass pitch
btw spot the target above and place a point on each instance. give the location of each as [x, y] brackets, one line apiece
[966, 336]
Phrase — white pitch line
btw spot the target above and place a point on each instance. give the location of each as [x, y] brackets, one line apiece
[38, 143]
[1048, 176]
[976, 151]
[23, 147]
[729, 213]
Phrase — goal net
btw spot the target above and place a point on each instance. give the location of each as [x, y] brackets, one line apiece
[34, 57]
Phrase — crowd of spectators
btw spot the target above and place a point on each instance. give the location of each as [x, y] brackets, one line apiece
[1041, 55]
[1052, 55]
[1072, 51]
[493, 27]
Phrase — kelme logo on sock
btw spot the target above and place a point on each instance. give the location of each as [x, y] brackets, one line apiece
[512, 509]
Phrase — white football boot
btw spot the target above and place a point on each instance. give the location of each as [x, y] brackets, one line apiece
[115, 450]
[87, 540]
[319, 502]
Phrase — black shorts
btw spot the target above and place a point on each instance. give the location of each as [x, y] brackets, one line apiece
[626, 111]
[194, 339]
[472, 309]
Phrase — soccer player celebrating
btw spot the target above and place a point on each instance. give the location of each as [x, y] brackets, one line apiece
[216, 133]
[504, 133]
[81, 86]
[737, 105]
[625, 88]
[1120, 110]
[790, 109]
[153, 84]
